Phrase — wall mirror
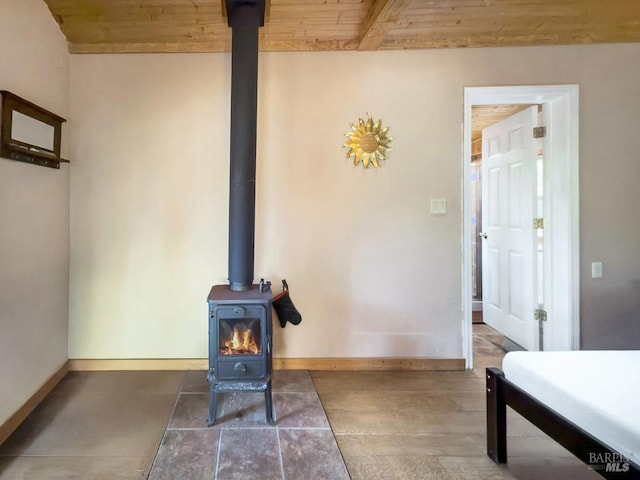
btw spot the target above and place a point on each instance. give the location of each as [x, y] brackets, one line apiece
[29, 133]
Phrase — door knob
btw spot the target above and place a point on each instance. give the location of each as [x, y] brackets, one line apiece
[483, 235]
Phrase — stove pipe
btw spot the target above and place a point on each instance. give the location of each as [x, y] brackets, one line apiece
[245, 16]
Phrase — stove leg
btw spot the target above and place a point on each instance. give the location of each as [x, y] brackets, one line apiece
[269, 404]
[213, 408]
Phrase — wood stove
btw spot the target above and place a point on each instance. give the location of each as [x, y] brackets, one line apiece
[240, 344]
[240, 323]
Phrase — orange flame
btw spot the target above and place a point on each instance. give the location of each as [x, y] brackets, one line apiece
[242, 342]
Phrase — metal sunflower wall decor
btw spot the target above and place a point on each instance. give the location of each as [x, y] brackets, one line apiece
[368, 142]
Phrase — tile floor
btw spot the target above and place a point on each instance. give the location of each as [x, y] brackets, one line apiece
[241, 445]
[431, 425]
[388, 425]
[93, 425]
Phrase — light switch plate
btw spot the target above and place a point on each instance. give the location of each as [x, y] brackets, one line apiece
[438, 206]
[596, 270]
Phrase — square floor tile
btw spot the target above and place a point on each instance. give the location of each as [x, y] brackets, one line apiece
[292, 381]
[249, 454]
[311, 454]
[299, 409]
[186, 454]
[242, 409]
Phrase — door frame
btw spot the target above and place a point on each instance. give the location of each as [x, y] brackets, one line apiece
[561, 208]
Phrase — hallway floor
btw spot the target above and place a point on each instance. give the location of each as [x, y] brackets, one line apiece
[388, 425]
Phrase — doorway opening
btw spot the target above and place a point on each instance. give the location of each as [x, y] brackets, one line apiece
[557, 176]
[506, 190]
[482, 116]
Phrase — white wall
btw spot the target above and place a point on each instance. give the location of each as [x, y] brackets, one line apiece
[373, 273]
[34, 213]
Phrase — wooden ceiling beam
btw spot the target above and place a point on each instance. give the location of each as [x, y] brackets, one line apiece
[381, 18]
[267, 44]
[152, 47]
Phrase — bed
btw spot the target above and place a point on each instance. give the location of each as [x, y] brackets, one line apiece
[588, 401]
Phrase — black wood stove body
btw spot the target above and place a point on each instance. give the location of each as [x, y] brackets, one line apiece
[240, 323]
[240, 344]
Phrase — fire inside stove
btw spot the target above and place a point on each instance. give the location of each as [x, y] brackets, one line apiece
[240, 336]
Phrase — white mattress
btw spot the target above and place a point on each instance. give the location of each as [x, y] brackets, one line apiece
[597, 390]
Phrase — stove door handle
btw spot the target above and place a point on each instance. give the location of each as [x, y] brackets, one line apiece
[240, 367]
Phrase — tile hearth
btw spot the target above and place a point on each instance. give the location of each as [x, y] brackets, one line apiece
[242, 445]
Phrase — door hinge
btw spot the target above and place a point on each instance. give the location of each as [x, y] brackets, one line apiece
[538, 222]
[539, 132]
[540, 314]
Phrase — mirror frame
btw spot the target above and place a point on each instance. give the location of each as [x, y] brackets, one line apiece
[24, 152]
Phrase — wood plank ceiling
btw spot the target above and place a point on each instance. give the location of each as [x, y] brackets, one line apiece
[483, 116]
[164, 26]
[124, 26]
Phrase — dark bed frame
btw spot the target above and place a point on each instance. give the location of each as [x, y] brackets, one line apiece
[501, 392]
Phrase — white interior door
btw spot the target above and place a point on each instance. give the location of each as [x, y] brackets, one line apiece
[509, 157]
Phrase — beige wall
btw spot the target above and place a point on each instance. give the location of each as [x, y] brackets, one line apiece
[610, 186]
[34, 213]
[373, 273]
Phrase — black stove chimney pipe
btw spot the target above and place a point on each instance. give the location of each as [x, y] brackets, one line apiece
[245, 16]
